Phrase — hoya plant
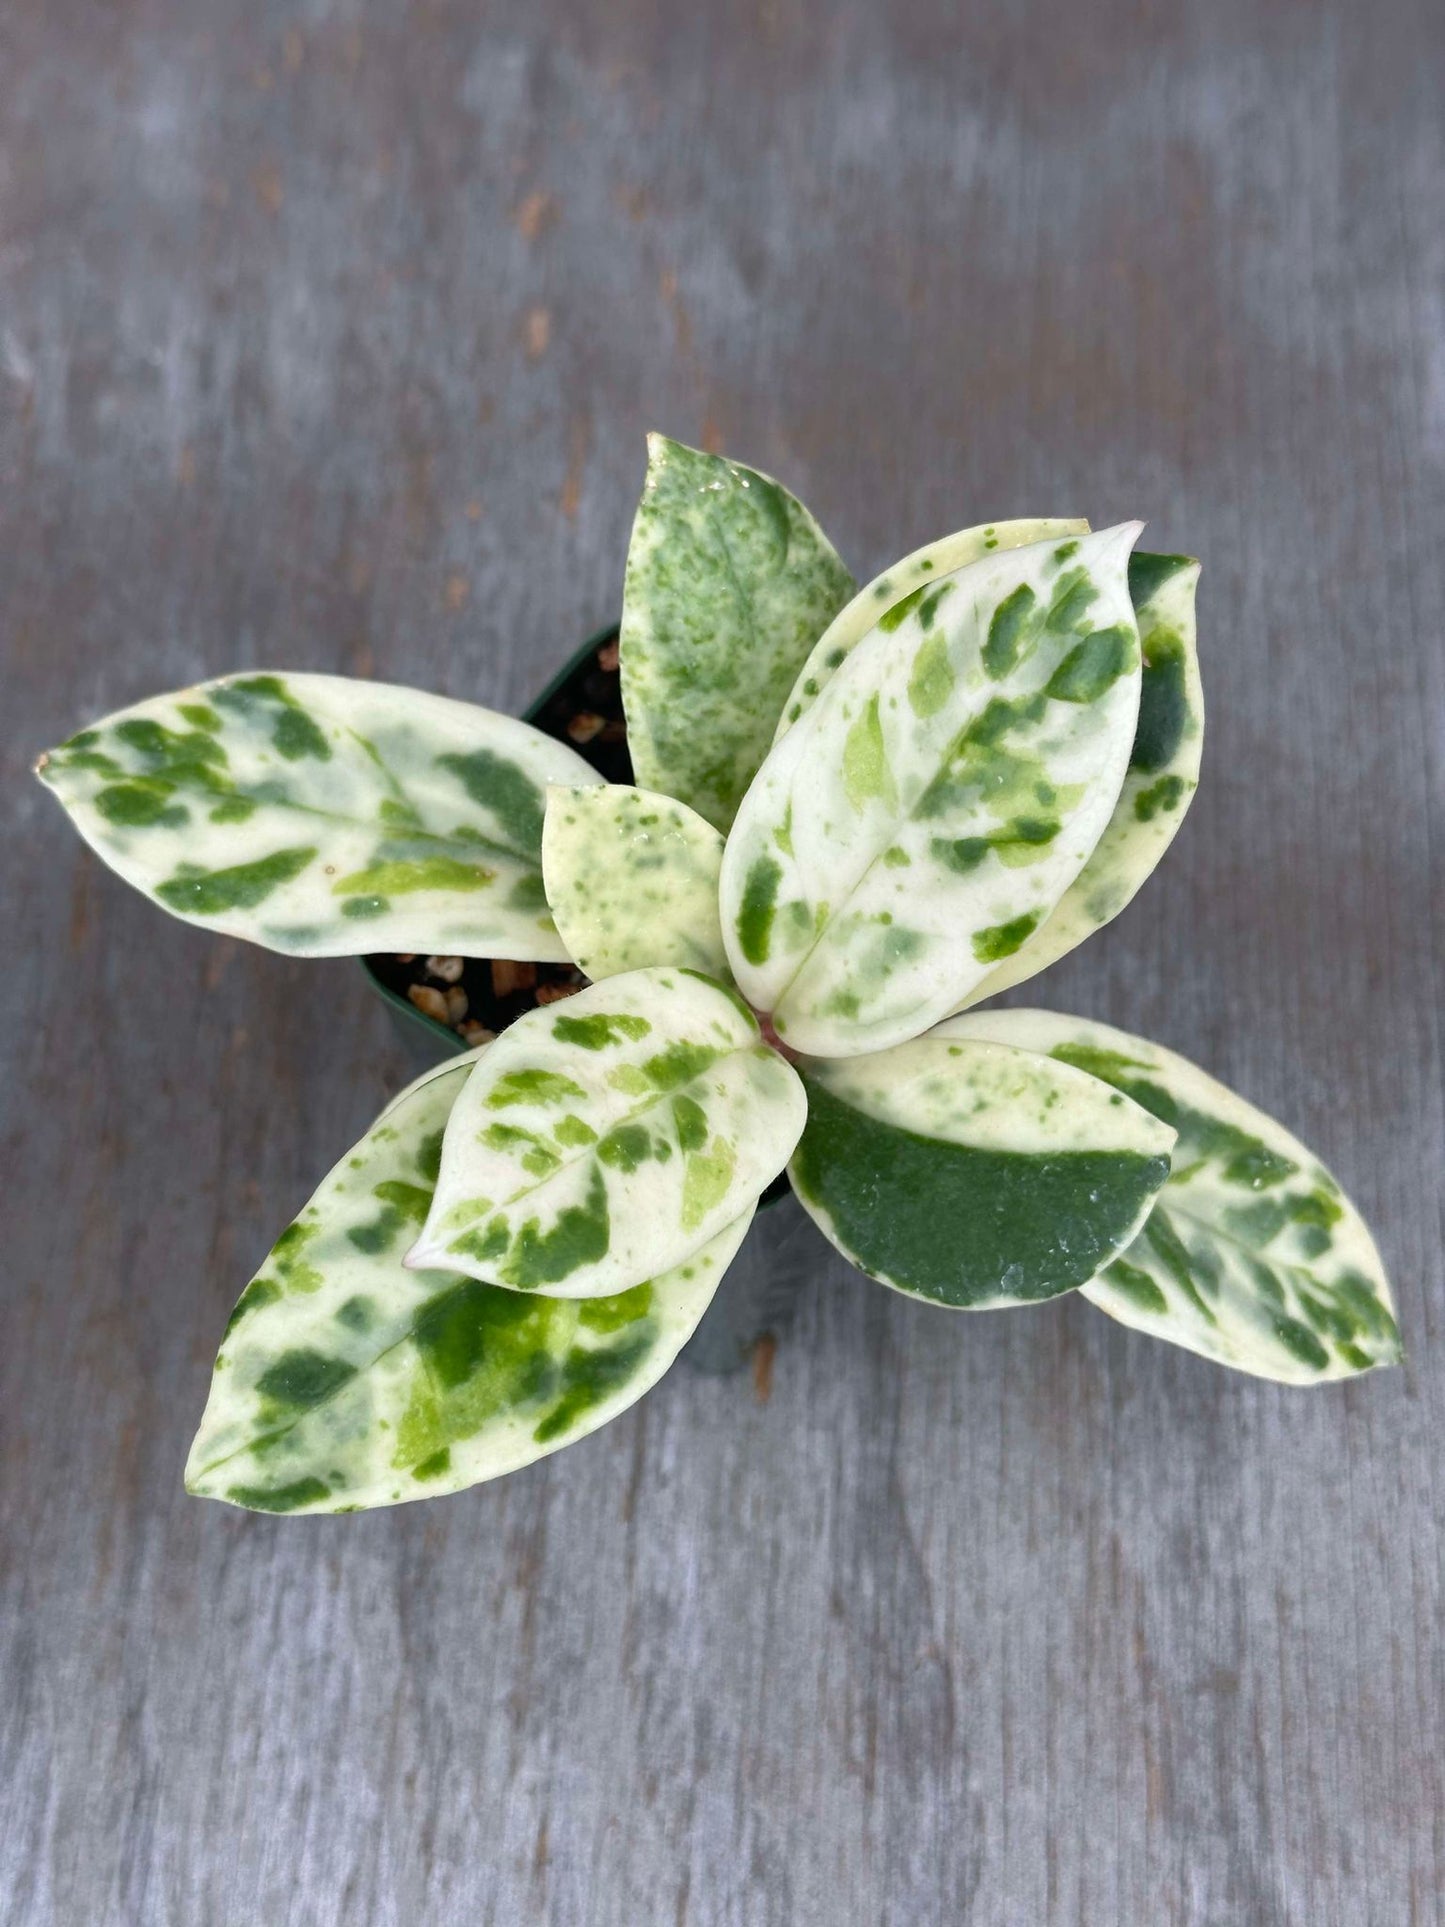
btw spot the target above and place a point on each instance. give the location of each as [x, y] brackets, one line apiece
[858, 815]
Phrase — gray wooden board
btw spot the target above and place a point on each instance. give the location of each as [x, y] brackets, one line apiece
[328, 336]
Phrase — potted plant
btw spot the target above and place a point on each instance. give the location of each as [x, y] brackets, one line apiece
[856, 816]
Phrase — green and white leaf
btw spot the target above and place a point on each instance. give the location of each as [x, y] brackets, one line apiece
[906, 583]
[1252, 1256]
[922, 819]
[632, 880]
[324, 817]
[729, 584]
[973, 1174]
[1159, 787]
[345, 1380]
[606, 1139]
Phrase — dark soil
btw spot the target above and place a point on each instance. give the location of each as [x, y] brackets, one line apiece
[474, 997]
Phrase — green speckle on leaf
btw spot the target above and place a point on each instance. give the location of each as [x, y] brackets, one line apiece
[589, 1377]
[402, 1205]
[233, 809]
[1008, 630]
[279, 1498]
[895, 617]
[1092, 666]
[288, 1256]
[140, 805]
[506, 791]
[484, 1242]
[297, 735]
[260, 1291]
[625, 1147]
[1161, 796]
[691, 1122]
[1163, 702]
[600, 1030]
[1137, 1286]
[401, 878]
[758, 908]
[1003, 939]
[611, 1314]
[1073, 593]
[1018, 842]
[679, 1064]
[304, 1378]
[532, 1087]
[456, 1331]
[866, 772]
[1148, 574]
[1256, 1167]
[931, 683]
[1301, 1343]
[528, 892]
[581, 1235]
[537, 1158]
[706, 1181]
[210, 893]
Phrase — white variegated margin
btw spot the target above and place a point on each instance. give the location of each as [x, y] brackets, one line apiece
[323, 816]
[974, 1175]
[1157, 790]
[346, 1381]
[1252, 1256]
[606, 1139]
[944, 790]
[909, 578]
[632, 880]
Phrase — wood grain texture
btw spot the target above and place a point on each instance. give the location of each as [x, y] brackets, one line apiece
[328, 337]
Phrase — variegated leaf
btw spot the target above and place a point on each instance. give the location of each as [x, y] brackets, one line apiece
[972, 1174]
[1252, 1256]
[729, 584]
[923, 818]
[902, 587]
[346, 1381]
[606, 1139]
[632, 880]
[324, 817]
[1159, 787]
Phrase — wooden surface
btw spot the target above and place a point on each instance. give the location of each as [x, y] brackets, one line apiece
[328, 337]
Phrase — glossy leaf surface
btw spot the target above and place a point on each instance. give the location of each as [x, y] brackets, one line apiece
[973, 1174]
[345, 1380]
[923, 818]
[1252, 1256]
[324, 817]
[604, 1140]
[1161, 780]
[729, 584]
[906, 584]
[632, 880]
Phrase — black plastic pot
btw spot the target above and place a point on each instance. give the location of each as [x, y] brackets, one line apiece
[758, 1293]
